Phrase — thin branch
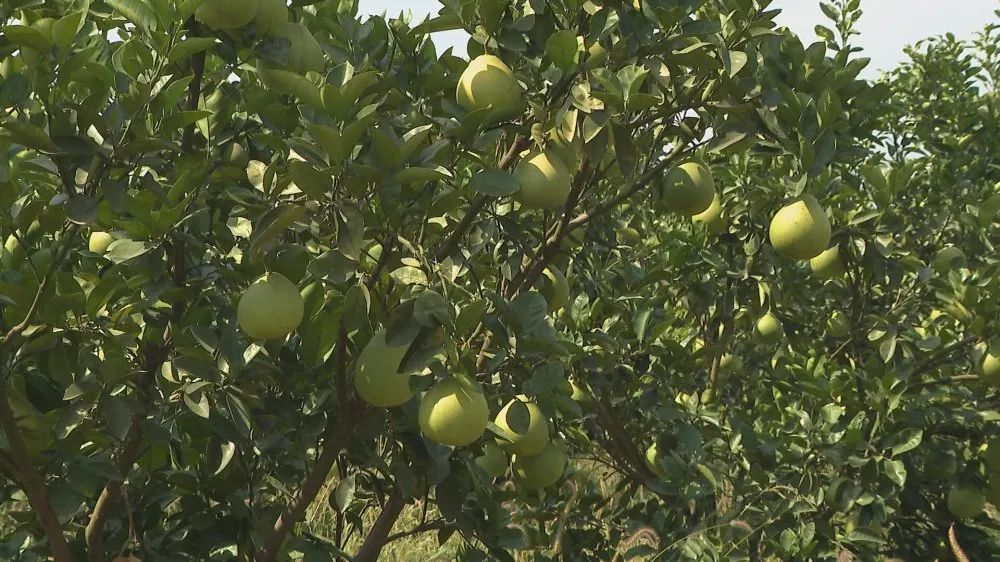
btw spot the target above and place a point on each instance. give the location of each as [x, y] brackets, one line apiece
[477, 204]
[33, 485]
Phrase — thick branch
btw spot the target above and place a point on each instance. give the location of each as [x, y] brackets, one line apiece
[379, 533]
[33, 485]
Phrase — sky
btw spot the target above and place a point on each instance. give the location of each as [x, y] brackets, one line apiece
[886, 26]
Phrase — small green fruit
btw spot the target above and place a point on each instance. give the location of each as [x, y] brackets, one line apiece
[99, 242]
[377, 374]
[544, 180]
[451, 414]
[729, 363]
[493, 460]
[534, 438]
[488, 82]
[271, 308]
[688, 189]
[800, 230]
[770, 329]
[965, 502]
[828, 264]
[541, 470]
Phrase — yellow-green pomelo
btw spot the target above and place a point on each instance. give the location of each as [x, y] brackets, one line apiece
[688, 189]
[544, 180]
[947, 258]
[839, 325]
[554, 287]
[226, 14]
[304, 53]
[493, 460]
[271, 14]
[965, 502]
[452, 414]
[801, 230]
[653, 461]
[828, 263]
[377, 376]
[539, 471]
[99, 242]
[770, 329]
[271, 308]
[711, 218]
[533, 439]
[488, 82]
[235, 155]
[991, 369]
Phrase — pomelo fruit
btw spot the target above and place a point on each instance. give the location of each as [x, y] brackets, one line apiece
[488, 82]
[800, 230]
[452, 414]
[533, 439]
[539, 471]
[688, 189]
[376, 373]
[271, 308]
[544, 180]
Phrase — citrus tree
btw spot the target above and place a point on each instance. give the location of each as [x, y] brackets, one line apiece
[646, 278]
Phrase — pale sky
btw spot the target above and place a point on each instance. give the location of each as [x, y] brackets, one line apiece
[886, 27]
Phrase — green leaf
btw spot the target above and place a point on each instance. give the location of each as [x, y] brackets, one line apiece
[312, 182]
[416, 175]
[343, 494]
[498, 183]
[26, 36]
[226, 452]
[273, 224]
[408, 275]
[190, 46]
[563, 49]
[81, 209]
[906, 440]
[895, 470]
[26, 134]
[65, 29]
[123, 250]
[136, 11]
[196, 399]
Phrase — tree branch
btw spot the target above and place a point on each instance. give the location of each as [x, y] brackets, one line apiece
[479, 202]
[155, 356]
[334, 439]
[33, 485]
[379, 533]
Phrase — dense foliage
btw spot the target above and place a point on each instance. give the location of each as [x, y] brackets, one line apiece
[231, 241]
